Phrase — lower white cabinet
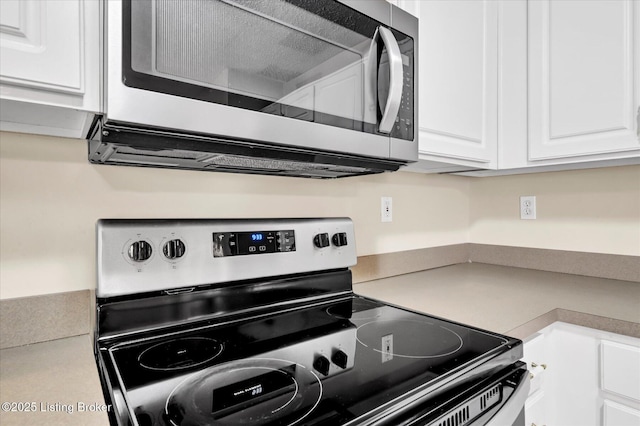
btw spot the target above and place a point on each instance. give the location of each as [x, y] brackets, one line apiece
[620, 381]
[536, 411]
[581, 377]
[620, 415]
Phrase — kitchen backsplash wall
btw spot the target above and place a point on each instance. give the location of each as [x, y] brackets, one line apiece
[596, 211]
[51, 197]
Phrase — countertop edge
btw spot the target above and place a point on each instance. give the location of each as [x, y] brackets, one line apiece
[612, 325]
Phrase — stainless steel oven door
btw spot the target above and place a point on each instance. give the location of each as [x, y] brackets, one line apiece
[323, 74]
[501, 403]
[497, 400]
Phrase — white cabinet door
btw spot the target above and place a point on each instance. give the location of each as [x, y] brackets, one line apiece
[591, 377]
[458, 81]
[536, 359]
[615, 378]
[583, 77]
[615, 414]
[49, 59]
[35, 36]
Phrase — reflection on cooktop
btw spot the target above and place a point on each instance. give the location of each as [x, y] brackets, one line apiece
[356, 309]
[180, 353]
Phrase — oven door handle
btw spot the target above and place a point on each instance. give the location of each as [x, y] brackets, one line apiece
[396, 78]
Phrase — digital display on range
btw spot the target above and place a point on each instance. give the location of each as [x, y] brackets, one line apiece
[254, 390]
[254, 242]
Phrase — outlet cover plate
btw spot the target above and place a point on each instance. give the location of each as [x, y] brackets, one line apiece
[528, 207]
[386, 209]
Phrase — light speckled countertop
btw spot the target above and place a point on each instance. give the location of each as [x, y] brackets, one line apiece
[51, 383]
[503, 299]
[60, 376]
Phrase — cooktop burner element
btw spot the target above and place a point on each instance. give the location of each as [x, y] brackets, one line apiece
[257, 324]
[180, 353]
[255, 391]
[400, 338]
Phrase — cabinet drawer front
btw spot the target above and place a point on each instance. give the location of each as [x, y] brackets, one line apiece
[620, 369]
[619, 415]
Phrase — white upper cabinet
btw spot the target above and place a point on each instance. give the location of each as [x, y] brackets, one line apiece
[458, 78]
[523, 86]
[584, 82]
[49, 67]
[570, 84]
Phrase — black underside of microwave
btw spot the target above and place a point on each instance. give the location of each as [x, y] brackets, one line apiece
[124, 145]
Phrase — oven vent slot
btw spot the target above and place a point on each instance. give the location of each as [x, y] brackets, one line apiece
[490, 397]
[473, 408]
[458, 418]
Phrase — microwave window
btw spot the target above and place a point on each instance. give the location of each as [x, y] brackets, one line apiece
[313, 60]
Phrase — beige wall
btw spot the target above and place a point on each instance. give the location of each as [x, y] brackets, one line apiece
[594, 210]
[51, 197]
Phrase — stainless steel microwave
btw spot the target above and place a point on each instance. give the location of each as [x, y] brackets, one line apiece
[314, 88]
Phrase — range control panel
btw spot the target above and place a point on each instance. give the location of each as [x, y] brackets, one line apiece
[253, 242]
[144, 255]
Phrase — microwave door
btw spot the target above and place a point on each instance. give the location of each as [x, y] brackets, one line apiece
[289, 72]
[293, 58]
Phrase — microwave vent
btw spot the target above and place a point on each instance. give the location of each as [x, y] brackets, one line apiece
[165, 153]
[235, 161]
[135, 146]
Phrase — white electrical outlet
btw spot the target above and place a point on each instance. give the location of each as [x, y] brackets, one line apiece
[386, 209]
[528, 207]
[386, 347]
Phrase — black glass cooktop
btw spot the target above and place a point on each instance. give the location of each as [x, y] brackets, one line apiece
[322, 365]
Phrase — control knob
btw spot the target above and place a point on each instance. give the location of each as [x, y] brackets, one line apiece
[173, 249]
[339, 358]
[321, 240]
[339, 239]
[140, 251]
[322, 364]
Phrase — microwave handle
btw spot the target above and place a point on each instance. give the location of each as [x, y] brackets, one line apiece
[395, 81]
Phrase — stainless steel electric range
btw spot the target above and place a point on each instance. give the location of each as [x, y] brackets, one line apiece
[254, 322]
